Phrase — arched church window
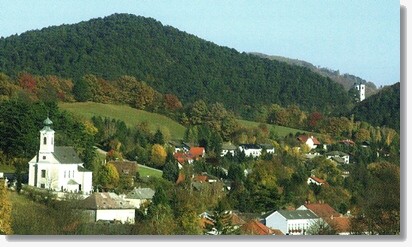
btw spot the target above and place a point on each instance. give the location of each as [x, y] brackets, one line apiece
[44, 140]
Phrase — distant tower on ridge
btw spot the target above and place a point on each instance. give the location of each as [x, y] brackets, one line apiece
[361, 89]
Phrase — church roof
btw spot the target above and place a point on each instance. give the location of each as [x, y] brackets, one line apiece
[47, 121]
[66, 155]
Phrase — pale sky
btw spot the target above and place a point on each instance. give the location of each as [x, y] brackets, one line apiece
[359, 37]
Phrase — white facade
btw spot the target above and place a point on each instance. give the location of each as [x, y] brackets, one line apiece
[251, 150]
[122, 215]
[292, 222]
[362, 89]
[58, 168]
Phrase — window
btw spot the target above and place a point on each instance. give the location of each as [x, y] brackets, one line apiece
[44, 157]
[52, 141]
[44, 140]
[43, 173]
[64, 174]
[42, 186]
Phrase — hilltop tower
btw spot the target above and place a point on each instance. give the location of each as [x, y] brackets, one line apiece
[361, 89]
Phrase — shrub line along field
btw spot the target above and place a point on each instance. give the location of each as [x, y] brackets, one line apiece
[132, 117]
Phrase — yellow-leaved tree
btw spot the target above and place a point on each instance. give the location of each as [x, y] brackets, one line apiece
[5, 210]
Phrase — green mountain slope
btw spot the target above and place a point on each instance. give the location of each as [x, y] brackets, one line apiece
[169, 60]
[381, 109]
[346, 80]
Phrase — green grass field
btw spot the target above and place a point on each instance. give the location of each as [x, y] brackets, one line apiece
[145, 172]
[156, 121]
[129, 115]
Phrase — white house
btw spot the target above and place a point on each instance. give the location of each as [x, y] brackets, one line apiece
[311, 141]
[338, 156]
[58, 168]
[315, 180]
[295, 222]
[250, 150]
[228, 148]
[107, 206]
[138, 196]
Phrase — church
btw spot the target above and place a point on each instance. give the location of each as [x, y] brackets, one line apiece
[58, 168]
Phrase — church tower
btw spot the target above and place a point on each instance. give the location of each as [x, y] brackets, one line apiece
[361, 88]
[46, 137]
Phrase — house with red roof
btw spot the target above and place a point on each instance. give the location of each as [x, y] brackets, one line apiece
[311, 141]
[315, 180]
[255, 227]
[197, 152]
[337, 221]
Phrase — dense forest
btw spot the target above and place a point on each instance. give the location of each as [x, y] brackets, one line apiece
[381, 109]
[170, 61]
[346, 80]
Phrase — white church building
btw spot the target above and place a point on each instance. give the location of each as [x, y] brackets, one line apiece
[58, 168]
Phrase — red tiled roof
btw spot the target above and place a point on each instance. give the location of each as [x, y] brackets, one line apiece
[322, 210]
[254, 227]
[319, 180]
[236, 220]
[182, 157]
[304, 139]
[197, 151]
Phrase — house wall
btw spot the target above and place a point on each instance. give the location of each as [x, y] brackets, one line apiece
[123, 215]
[135, 202]
[277, 221]
[58, 175]
[86, 180]
[299, 226]
[251, 152]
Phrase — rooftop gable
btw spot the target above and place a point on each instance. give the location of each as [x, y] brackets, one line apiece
[254, 227]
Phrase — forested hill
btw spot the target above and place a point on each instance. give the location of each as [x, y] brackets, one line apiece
[381, 109]
[346, 80]
[169, 60]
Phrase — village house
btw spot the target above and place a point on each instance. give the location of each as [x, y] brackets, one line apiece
[338, 156]
[337, 221]
[108, 206]
[255, 227]
[310, 141]
[315, 180]
[228, 148]
[291, 222]
[250, 150]
[58, 168]
[139, 196]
